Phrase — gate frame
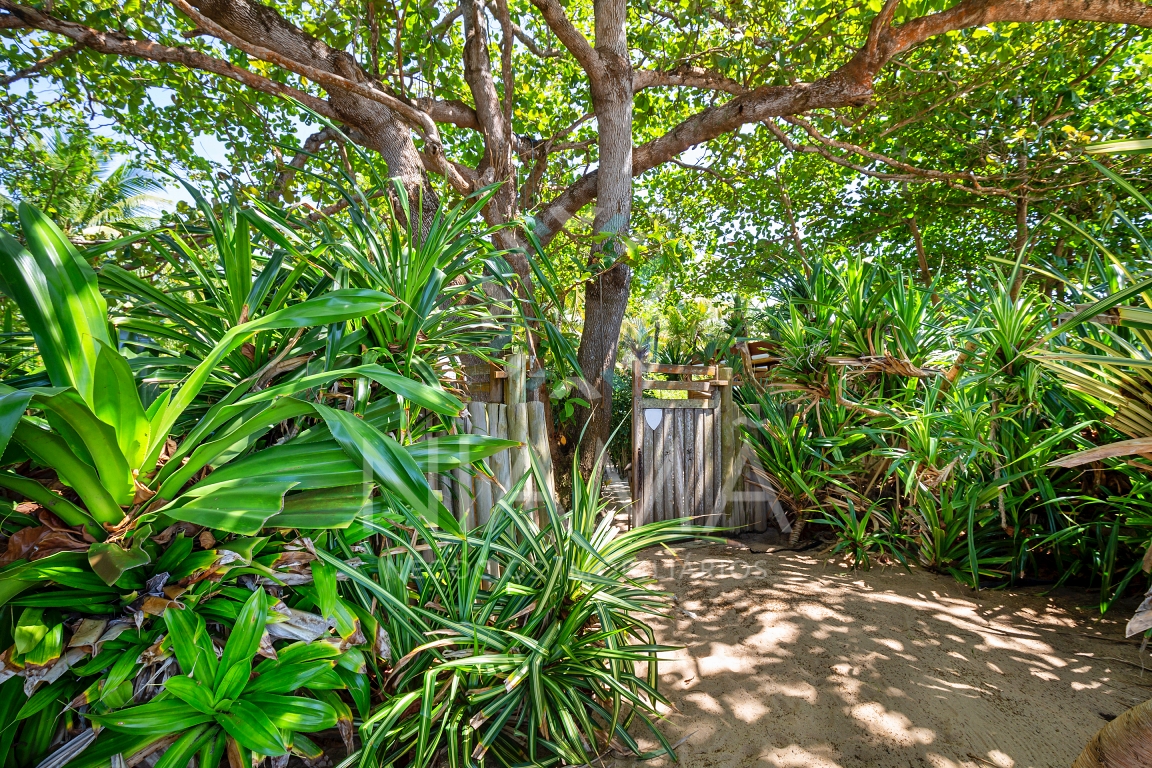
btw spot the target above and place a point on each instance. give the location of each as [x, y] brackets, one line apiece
[728, 414]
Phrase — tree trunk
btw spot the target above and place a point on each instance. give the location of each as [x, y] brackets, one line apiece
[1021, 243]
[606, 296]
[382, 131]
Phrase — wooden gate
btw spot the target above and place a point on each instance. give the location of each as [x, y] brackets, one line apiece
[680, 447]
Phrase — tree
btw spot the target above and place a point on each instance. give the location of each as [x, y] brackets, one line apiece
[548, 101]
[70, 176]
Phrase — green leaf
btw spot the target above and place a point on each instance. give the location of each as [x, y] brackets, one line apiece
[324, 582]
[98, 438]
[390, 464]
[335, 306]
[192, 692]
[252, 729]
[116, 402]
[323, 507]
[49, 449]
[286, 678]
[30, 629]
[110, 561]
[178, 755]
[59, 298]
[294, 713]
[191, 644]
[155, 718]
[58, 505]
[244, 641]
[13, 403]
[441, 454]
[235, 506]
[434, 399]
[322, 464]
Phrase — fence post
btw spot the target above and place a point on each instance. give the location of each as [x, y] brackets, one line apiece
[727, 444]
[637, 438]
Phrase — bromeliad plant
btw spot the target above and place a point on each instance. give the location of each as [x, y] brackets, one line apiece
[214, 700]
[119, 459]
[102, 478]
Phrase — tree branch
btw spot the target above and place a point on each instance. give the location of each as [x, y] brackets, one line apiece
[339, 77]
[889, 161]
[533, 46]
[416, 118]
[311, 146]
[441, 26]
[850, 85]
[117, 44]
[705, 169]
[41, 65]
[912, 174]
[691, 77]
[571, 37]
[450, 111]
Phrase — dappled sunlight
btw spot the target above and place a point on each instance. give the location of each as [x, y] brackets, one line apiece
[812, 665]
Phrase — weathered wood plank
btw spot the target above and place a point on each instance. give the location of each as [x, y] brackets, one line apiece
[710, 496]
[659, 470]
[669, 462]
[518, 431]
[727, 426]
[678, 461]
[691, 370]
[690, 386]
[647, 476]
[514, 384]
[538, 439]
[501, 463]
[637, 442]
[483, 487]
[718, 513]
[698, 446]
[656, 487]
[654, 402]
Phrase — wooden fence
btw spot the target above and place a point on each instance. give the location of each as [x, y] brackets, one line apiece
[471, 496]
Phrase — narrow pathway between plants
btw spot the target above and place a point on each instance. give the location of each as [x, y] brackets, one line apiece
[791, 661]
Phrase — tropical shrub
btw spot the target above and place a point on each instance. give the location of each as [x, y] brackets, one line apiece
[522, 644]
[926, 424]
[169, 480]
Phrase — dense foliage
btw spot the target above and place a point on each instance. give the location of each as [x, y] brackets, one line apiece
[948, 425]
[219, 540]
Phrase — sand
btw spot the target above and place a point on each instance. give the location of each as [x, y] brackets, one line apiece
[791, 660]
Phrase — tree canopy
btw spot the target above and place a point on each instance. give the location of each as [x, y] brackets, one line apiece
[704, 144]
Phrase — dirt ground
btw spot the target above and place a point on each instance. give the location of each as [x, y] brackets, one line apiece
[790, 660]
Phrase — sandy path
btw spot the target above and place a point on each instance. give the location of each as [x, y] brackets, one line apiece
[788, 661]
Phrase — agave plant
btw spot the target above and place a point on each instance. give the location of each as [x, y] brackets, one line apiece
[520, 644]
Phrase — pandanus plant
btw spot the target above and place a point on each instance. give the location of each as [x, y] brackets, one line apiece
[125, 468]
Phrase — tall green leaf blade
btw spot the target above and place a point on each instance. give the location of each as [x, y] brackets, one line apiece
[294, 713]
[236, 506]
[116, 402]
[323, 508]
[252, 729]
[245, 638]
[155, 718]
[331, 307]
[391, 465]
